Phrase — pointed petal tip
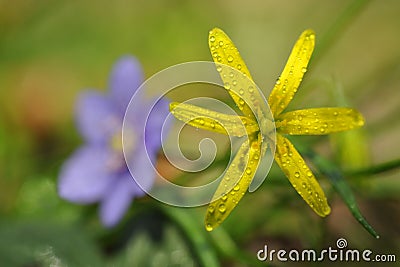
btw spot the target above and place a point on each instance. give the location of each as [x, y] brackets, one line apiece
[172, 106]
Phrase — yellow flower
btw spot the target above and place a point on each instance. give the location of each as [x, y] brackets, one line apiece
[315, 121]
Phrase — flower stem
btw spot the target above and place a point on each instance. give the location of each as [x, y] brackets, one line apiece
[338, 26]
[339, 183]
[377, 169]
[195, 233]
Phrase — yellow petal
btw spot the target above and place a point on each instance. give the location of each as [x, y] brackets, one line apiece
[207, 119]
[234, 184]
[287, 84]
[300, 176]
[317, 121]
[238, 83]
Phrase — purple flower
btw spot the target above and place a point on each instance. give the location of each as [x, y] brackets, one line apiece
[97, 172]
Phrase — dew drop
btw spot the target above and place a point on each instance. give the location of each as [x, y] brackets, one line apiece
[309, 174]
[209, 227]
[297, 174]
[212, 39]
[221, 43]
[239, 67]
[211, 209]
[278, 82]
[241, 91]
[248, 171]
[219, 68]
[224, 198]
[251, 89]
[212, 124]
[201, 121]
[299, 117]
[322, 130]
[236, 188]
[230, 58]
[234, 82]
[222, 208]
[304, 70]
[335, 113]
[231, 74]
[227, 86]
[215, 54]
[304, 185]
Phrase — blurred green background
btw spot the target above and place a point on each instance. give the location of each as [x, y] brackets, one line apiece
[51, 50]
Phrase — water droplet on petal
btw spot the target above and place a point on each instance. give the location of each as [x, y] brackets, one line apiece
[309, 174]
[304, 70]
[236, 188]
[221, 43]
[227, 86]
[297, 174]
[211, 209]
[248, 171]
[251, 89]
[239, 67]
[212, 39]
[230, 58]
[222, 208]
[209, 227]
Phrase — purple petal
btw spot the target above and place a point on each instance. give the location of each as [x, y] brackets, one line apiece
[142, 169]
[85, 176]
[126, 77]
[155, 124]
[117, 201]
[97, 117]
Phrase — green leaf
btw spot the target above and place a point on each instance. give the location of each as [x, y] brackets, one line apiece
[45, 244]
[195, 232]
[143, 250]
[339, 183]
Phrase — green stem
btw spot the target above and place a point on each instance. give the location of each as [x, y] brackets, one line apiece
[377, 169]
[227, 247]
[338, 26]
[195, 233]
[339, 183]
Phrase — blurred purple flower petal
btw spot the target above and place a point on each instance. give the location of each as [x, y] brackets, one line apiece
[97, 117]
[117, 201]
[126, 77]
[85, 177]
